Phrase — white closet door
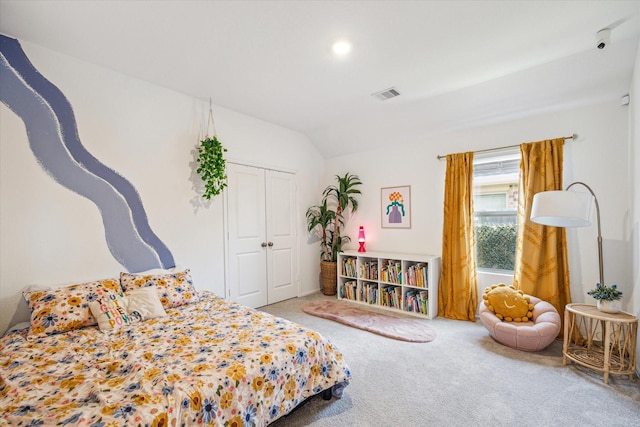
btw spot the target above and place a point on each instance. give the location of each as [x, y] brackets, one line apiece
[281, 235]
[262, 245]
[247, 235]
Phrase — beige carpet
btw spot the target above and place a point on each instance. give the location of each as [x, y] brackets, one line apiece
[464, 378]
[411, 330]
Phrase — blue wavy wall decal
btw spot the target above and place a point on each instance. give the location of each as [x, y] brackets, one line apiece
[53, 138]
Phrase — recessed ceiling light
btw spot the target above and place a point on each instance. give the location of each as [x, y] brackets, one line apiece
[341, 48]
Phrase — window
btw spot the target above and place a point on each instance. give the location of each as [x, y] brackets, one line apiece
[491, 202]
[495, 199]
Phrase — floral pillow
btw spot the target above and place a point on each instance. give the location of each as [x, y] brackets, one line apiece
[64, 309]
[174, 289]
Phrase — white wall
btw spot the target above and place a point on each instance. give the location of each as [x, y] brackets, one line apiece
[634, 190]
[49, 235]
[598, 157]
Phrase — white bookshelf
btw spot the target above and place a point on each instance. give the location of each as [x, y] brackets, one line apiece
[406, 283]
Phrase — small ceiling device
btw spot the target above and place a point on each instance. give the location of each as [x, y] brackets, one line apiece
[392, 92]
[603, 38]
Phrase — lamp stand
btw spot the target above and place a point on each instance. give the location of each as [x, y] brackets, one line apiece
[600, 262]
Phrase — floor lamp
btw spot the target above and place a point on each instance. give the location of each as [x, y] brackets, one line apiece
[568, 209]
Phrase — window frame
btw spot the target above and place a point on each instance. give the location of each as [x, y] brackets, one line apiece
[494, 157]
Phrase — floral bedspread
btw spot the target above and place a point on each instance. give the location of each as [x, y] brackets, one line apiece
[208, 363]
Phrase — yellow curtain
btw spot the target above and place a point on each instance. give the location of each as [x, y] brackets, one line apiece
[458, 289]
[541, 264]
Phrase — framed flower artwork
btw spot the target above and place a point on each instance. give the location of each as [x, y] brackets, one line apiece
[395, 207]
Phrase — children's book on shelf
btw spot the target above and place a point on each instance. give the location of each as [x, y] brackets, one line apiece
[369, 270]
[351, 290]
[390, 296]
[392, 272]
[370, 293]
[417, 275]
[417, 301]
[349, 267]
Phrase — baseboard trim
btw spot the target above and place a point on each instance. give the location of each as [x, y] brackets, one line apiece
[308, 293]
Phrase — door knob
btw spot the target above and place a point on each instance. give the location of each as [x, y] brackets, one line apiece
[263, 244]
[270, 244]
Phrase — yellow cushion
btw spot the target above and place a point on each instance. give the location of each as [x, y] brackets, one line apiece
[508, 303]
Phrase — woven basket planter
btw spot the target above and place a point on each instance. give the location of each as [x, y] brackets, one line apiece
[328, 277]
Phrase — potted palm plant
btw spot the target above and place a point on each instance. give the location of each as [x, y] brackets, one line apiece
[327, 220]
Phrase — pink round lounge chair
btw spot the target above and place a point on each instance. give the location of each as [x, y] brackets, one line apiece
[534, 335]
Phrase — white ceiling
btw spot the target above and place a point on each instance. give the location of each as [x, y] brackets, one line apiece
[457, 64]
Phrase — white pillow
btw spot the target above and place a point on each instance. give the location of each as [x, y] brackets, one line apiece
[145, 302]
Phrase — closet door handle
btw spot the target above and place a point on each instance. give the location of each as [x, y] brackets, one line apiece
[270, 244]
[263, 244]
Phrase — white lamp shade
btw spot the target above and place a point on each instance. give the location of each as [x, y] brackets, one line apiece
[562, 208]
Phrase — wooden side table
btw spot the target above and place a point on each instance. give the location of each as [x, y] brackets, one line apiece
[610, 342]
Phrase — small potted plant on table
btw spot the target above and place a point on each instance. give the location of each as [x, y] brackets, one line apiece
[608, 298]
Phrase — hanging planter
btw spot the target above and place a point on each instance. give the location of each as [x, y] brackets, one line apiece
[212, 164]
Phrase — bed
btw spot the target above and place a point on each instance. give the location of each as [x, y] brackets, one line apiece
[150, 350]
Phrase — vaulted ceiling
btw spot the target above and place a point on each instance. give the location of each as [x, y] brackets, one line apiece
[456, 64]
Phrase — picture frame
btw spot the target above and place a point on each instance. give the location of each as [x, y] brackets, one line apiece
[395, 207]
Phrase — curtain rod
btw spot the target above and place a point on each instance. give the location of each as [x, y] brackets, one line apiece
[574, 136]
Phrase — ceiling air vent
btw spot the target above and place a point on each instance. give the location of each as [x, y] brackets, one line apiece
[386, 94]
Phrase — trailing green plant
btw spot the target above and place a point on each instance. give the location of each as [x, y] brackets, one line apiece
[328, 217]
[605, 293]
[212, 166]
